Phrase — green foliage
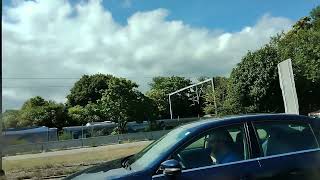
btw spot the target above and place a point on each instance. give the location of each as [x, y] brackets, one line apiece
[122, 102]
[78, 115]
[39, 112]
[11, 118]
[221, 85]
[88, 89]
[65, 136]
[161, 87]
[254, 83]
[303, 47]
[315, 17]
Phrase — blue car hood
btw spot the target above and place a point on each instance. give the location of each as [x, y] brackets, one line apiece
[102, 175]
[109, 170]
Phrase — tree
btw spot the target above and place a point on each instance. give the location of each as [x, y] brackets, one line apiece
[254, 82]
[39, 112]
[77, 115]
[88, 89]
[303, 47]
[120, 102]
[315, 17]
[11, 118]
[161, 87]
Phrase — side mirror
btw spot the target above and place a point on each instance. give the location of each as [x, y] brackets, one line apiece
[170, 167]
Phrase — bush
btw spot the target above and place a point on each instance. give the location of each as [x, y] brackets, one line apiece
[65, 136]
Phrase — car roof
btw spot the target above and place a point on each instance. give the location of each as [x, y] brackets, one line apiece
[241, 119]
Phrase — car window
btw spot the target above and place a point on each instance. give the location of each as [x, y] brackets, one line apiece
[200, 143]
[148, 155]
[219, 146]
[284, 137]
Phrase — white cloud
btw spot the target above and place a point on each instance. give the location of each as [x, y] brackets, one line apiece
[52, 38]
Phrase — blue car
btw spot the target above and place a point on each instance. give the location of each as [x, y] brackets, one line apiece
[269, 146]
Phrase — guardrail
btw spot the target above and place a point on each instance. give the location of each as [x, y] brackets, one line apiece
[77, 143]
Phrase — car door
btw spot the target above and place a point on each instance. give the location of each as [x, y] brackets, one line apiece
[289, 150]
[195, 155]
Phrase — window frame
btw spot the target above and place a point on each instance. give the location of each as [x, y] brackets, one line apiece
[257, 139]
[191, 140]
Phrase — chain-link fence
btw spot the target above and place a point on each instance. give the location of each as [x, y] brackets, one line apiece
[85, 142]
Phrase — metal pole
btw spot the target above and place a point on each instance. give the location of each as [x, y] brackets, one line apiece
[82, 131]
[170, 107]
[214, 98]
[81, 135]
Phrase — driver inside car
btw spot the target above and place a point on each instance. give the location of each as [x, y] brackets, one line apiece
[222, 147]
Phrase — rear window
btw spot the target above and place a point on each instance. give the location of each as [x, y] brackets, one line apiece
[284, 137]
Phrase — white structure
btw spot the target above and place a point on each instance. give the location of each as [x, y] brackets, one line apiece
[288, 87]
[197, 94]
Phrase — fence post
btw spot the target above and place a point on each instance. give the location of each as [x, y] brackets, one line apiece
[81, 135]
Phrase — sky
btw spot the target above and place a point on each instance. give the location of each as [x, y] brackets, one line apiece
[47, 45]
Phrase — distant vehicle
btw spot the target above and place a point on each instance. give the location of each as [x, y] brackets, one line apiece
[270, 146]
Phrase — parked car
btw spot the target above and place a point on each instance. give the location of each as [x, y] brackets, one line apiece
[269, 146]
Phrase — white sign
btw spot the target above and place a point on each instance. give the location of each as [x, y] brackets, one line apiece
[288, 87]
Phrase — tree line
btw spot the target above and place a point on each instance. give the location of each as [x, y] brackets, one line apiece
[252, 87]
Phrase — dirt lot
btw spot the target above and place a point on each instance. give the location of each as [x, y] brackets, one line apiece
[60, 163]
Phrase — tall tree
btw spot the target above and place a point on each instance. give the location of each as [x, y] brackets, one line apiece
[254, 84]
[119, 102]
[302, 45]
[88, 89]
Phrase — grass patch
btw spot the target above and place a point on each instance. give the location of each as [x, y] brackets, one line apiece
[65, 163]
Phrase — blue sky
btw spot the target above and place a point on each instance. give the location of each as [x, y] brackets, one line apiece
[229, 15]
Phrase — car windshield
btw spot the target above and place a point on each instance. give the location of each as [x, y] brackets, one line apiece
[152, 152]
